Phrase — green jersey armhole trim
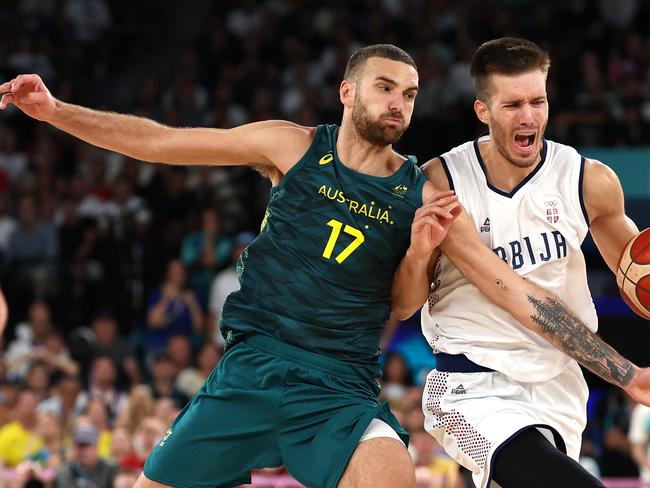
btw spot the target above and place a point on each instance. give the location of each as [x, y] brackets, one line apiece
[301, 161]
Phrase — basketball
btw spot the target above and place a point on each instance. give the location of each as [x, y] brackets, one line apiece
[633, 274]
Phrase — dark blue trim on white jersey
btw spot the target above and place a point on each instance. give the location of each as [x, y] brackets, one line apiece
[446, 168]
[581, 182]
[522, 183]
[557, 438]
[458, 363]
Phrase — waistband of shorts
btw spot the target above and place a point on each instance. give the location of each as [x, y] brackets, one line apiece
[458, 363]
[308, 358]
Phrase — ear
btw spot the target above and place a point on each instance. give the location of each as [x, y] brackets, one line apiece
[482, 111]
[346, 93]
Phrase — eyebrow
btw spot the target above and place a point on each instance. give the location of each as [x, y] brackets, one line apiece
[520, 100]
[393, 82]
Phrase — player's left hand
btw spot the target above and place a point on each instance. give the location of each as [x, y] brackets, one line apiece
[431, 222]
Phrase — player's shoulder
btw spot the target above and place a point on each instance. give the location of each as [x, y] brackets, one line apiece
[436, 169]
[290, 128]
[555, 150]
[600, 176]
[462, 150]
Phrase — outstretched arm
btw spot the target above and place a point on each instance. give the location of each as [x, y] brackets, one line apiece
[271, 143]
[535, 308]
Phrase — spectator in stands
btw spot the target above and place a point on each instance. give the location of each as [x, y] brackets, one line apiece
[53, 452]
[140, 405]
[166, 410]
[97, 415]
[397, 377]
[434, 468]
[32, 251]
[38, 379]
[7, 225]
[123, 453]
[52, 356]
[109, 343]
[614, 414]
[85, 468]
[639, 437]
[149, 432]
[19, 439]
[173, 309]
[224, 284]
[190, 379]
[205, 252]
[102, 386]
[63, 400]
[30, 336]
[179, 352]
[163, 376]
[13, 162]
[9, 394]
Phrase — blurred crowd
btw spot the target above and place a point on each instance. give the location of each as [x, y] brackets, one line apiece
[116, 271]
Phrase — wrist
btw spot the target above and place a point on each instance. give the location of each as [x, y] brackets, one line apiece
[416, 259]
[632, 383]
[56, 113]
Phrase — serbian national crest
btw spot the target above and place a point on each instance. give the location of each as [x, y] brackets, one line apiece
[552, 213]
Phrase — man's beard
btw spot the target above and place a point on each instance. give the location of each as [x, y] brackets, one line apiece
[500, 139]
[374, 131]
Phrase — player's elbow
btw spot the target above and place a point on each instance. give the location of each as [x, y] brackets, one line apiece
[402, 312]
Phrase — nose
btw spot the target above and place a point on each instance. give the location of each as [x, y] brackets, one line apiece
[526, 114]
[396, 104]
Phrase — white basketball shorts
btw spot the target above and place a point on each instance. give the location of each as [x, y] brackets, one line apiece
[472, 415]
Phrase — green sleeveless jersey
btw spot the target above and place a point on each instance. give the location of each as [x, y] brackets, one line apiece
[319, 274]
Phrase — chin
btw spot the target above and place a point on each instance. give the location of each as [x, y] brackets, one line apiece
[523, 163]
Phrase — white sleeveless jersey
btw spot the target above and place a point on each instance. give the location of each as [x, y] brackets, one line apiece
[537, 229]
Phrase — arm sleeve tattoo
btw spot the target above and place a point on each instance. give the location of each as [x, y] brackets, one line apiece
[558, 325]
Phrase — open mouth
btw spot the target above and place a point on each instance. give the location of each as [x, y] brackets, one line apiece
[525, 141]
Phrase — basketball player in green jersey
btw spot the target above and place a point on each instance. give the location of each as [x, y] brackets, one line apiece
[297, 384]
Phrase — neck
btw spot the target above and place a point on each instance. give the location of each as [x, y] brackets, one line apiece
[360, 155]
[501, 173]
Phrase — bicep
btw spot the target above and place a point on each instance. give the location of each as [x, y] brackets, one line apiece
[610, 228]
[277, 144]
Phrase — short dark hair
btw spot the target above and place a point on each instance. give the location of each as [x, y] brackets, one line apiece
[388, 51]
[505, 56]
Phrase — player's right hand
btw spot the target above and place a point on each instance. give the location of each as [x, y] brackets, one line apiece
[29, 94]
[431, 222]
[639, 387]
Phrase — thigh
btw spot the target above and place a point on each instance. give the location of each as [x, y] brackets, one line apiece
[227, 429]
[530, 460]
[379, 463]
[471, 414]
[144, 482]
[324, 418]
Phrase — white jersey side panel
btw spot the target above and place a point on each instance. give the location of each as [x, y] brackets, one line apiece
[537, 229]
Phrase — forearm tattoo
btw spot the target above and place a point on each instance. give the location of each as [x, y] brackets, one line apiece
[573, 337]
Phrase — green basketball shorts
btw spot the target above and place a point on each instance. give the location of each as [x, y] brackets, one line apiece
[268, 404]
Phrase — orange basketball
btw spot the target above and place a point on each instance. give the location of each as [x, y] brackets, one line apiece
[633, 274]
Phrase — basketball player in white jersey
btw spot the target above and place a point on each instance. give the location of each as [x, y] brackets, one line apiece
[508, 399]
